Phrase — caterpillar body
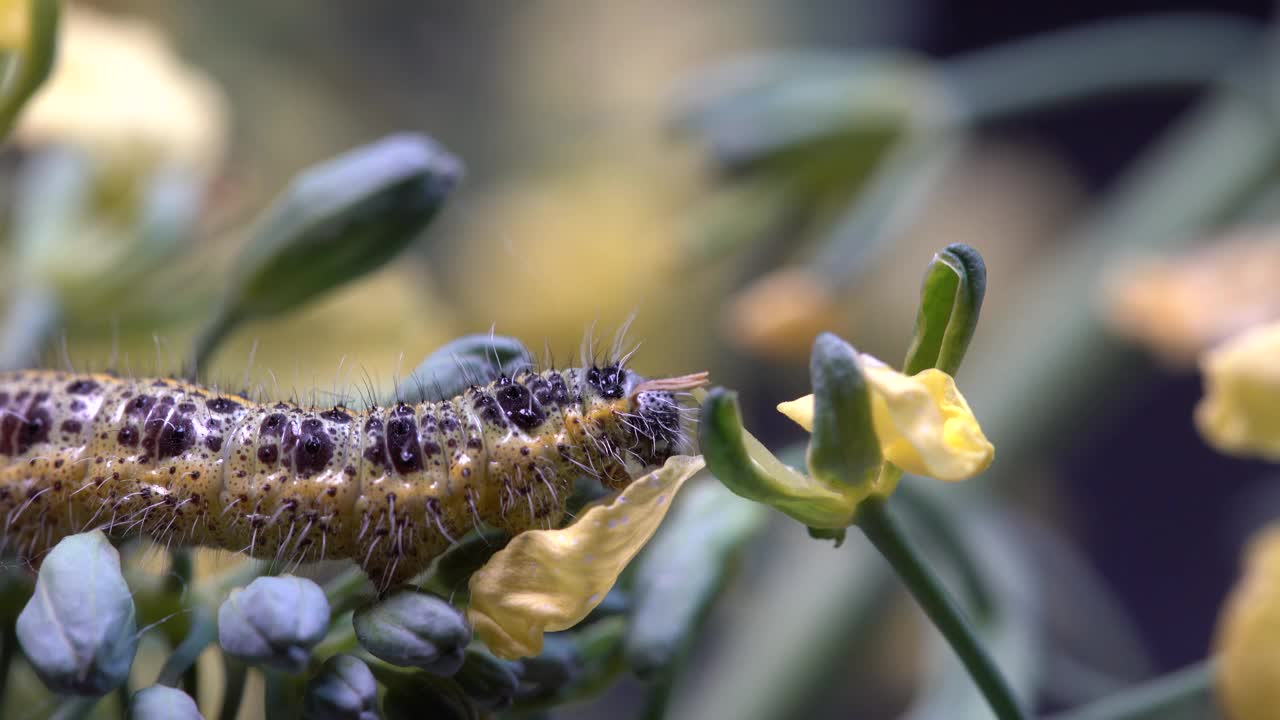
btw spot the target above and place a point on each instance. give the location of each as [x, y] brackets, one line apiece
[389, 487]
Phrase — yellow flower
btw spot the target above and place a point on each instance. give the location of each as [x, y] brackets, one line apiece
[119, 92]
[548, 580]
[1248, 672]
[923, 423]
[1240, 412]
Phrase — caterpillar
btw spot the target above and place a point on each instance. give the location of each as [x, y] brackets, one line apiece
[388, 487]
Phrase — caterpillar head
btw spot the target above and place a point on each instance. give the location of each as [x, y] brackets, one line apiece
[655, 422]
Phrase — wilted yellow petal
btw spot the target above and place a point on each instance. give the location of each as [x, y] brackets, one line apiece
[1248, 634]
[1240, 412]
[548, 580]
[922, 421]
[924, 424]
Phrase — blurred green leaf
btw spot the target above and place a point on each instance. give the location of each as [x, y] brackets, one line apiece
[34, 64]
[458, 364]
[681, 572]
[950, 301]
[336, 222]
[79, 630]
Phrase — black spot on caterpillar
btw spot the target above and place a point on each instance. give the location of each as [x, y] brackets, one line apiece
[390, 488]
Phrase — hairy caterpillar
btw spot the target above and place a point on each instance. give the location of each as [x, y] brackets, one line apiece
[389, 487]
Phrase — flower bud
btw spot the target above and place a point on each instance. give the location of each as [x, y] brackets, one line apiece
[336, 222]
[410, 628]
[160, 702]
[950, 301]
[275, 622]
[344, 689]
[460, 363]
[490, 682]
[79, 630]
[844, 451]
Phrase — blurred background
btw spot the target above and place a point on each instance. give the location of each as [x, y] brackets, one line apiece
[740, 176]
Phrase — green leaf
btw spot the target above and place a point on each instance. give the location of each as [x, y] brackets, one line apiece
[35, 62]
[748, 469]
[79, 629]
[469, 360]
[844, 450]
[950, 301]
[683, 570]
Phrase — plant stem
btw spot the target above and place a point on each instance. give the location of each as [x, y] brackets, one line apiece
[887, 536]
[1152, 699]
[233, 691]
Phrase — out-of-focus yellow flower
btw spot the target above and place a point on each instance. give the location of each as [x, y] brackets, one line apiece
[1240, 412]
[548, 580]
[924, 425]
[13, 24]
[1182, 306]
[1248, 672]
[119, 92]
[780, 314]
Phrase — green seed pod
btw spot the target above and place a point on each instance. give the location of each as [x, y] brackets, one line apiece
[274, 622]
[411, 628]
[490, 682]
[458, 364]
[79, 630]
[344, 689]
[160, 702]
[335, 223]
[682, 570]
[950, 301]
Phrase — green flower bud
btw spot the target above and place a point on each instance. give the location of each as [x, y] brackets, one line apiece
[844, 451]
[344, 689]
[452, 571]
[490, 682]
[79, 630]
[458, 364]
[410, 628]
[681, 572]
[160, 702]
[336, 222]
[275, 622]
[950, 301]
[557, 667]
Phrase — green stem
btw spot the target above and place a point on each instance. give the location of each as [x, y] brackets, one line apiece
[10, 640]
[233, 691]
[204, 629]
[884, 532]
[1153, 699]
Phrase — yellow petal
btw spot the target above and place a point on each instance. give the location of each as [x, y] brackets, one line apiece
[799, 410]
[1248, 633]
[548, 580]
[922, 421]
[924, 424]
[1240, 412]
[13, 24]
